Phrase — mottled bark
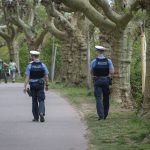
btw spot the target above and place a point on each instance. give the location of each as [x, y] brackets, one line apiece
[115, 25]
[74, 60]
[143, 50]
[53, 60]
[2, 45]
[11, 50]
[130, 35]
[16, 55]
[14, 52]
[116, 45]
[112, 18]
[146, 103]
[118, 52]
[73, 43]
[105, 40]
[22, 15]
[121, 54]
[9, 35]
[89, 82]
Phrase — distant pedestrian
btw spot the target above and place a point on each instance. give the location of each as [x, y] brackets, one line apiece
[1, 66]
[12, 70]
[37, 77]
[101, 68]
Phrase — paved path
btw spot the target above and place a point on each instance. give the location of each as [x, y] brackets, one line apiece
[62, 130]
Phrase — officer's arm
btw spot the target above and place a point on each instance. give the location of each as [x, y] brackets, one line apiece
[91, 71]
[91, 66]
[111, 67]
[112, 71]
[26, 83]
[27, 73]
[46, 77]
[46, 82]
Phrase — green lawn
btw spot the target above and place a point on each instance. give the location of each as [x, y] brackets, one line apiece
[123, 130]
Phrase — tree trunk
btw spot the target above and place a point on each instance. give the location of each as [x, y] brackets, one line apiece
[120, 51]
[120, 45]
[105, 39]
[146, 103]
[88, 62]
[31, 45]
[117, 43]
[126, 66]
[16, 52]
[121, 59]
[143, 58]
[11, 51]
[54, 49]
[74, 60]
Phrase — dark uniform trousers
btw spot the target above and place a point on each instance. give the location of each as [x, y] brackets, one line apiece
[101, 92]
[38, 98]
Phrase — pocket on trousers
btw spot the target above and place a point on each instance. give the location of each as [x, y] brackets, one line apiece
[109, 80]
[40, 82]
[41, 95]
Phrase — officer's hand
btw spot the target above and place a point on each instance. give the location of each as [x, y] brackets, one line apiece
[46, 88]
[25, 90]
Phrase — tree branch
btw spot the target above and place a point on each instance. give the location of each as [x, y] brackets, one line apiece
[20, 23]
[16, 20]
[112, 15]
[2, 45]
[40, 39]
[64, 8]
[4, 36]
[52, 11]
[13, 33]
[3, 27]
[56, 32]
[91, 13]
[31, 18]
[134, 7]
[32, 13]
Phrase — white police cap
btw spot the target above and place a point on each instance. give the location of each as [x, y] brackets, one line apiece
[100, 48]
[34, 53]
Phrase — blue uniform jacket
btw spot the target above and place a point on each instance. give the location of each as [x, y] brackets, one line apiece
[93, 63]
[27, 73]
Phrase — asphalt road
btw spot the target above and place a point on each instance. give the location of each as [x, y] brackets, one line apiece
[63, 129]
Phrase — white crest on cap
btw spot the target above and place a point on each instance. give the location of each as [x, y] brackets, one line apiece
[100, 47]
[34, 53]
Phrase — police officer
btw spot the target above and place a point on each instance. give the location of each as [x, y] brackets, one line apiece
[37, 77]
[1, 68]
[101, 68]
[3, 73]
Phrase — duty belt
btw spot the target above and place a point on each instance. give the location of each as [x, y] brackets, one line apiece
[103, 77]
[100, 76]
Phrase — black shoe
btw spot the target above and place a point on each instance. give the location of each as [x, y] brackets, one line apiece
[35, 120]
[100, 118]
[42, 117]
